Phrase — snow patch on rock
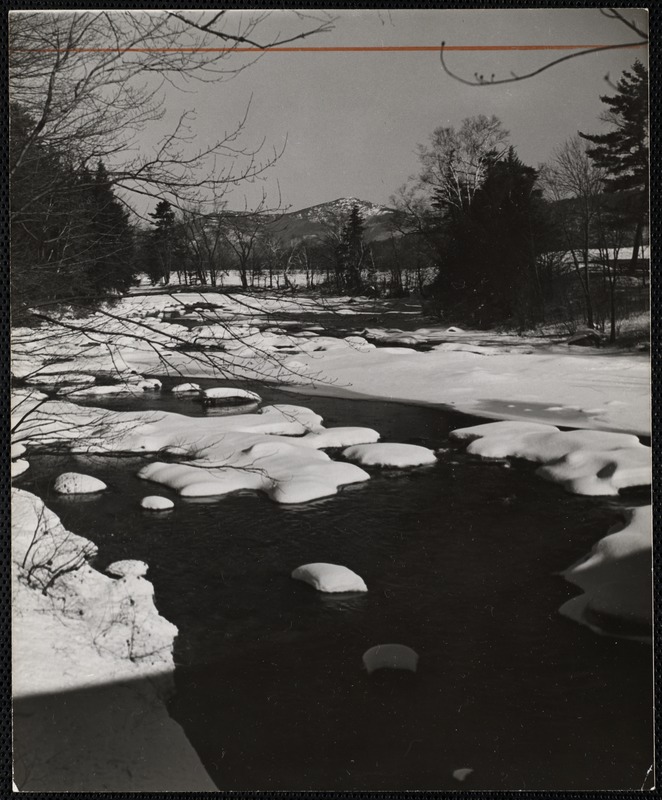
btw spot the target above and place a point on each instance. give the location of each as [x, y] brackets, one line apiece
[586, 462]
[186, 388]
[156, 503]
[128, 568]
[222, 393]
[390, 455]
[330, 578]
[76, 483]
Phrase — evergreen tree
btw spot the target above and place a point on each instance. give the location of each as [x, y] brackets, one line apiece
[623, 151]
[112, 247]
[162, 244]
[351, 252]
[488, 268]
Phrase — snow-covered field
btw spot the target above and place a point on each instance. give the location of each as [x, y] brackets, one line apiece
[536, 384]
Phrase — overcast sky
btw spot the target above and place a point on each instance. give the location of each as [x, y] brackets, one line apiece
[352, 120]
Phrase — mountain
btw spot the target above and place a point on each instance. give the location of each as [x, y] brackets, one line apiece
[317, 221]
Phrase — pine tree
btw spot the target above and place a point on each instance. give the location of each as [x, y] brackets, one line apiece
[623, 151]
[112, 247]
[488, 266]
[161, 243]
[352, 251]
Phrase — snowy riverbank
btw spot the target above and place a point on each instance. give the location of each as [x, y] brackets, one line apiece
[59, 664]
[91, 666]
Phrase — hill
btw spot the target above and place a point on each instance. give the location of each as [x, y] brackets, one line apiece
[315, 222]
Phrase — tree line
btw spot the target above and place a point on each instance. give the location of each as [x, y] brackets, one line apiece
[516, 244]
[484, 237]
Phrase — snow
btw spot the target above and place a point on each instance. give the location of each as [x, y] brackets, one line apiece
[186, 388]
[390, 455]
[75, 483]
[616, 576]
[506, 428]
[339, 437]
[17, 450]
[127, 569]
[137, 386]
[390, 656]
[226, 393]
[330, 578]
[71, 379]
[156, 503]
[583, 461]
[19, 466]
[538, 379]
[285, 472]
[593, 472]
[87, 655]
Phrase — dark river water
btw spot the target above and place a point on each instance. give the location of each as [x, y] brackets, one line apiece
[460, 560]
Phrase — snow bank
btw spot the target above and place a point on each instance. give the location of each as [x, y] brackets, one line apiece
[616, 577]
[137, 386]
[583, 461]
[17, 450]
[390, 656]
[75, 483]
[390, 455]
[19, 466]
[56, 379]
[91, 660]
[330, 578]
[156, 503]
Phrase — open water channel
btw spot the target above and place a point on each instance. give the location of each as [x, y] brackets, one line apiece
[461, 563]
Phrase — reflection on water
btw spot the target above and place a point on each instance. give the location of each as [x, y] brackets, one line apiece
[461, 564]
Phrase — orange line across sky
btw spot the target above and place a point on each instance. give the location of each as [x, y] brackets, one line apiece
[349, 49]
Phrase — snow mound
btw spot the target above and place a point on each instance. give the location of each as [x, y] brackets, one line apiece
[593, 472]
[390, 656]
[359, 343]
[19, 466]
[186, 388]
[390, 455]
[75, 483]
[587, 462]
[505, 428]
[286, 473]
[230, 394]
[616, 576]
[156, 503]
[17, 450]
[127, 569]
[330, 578]
[340, 437]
